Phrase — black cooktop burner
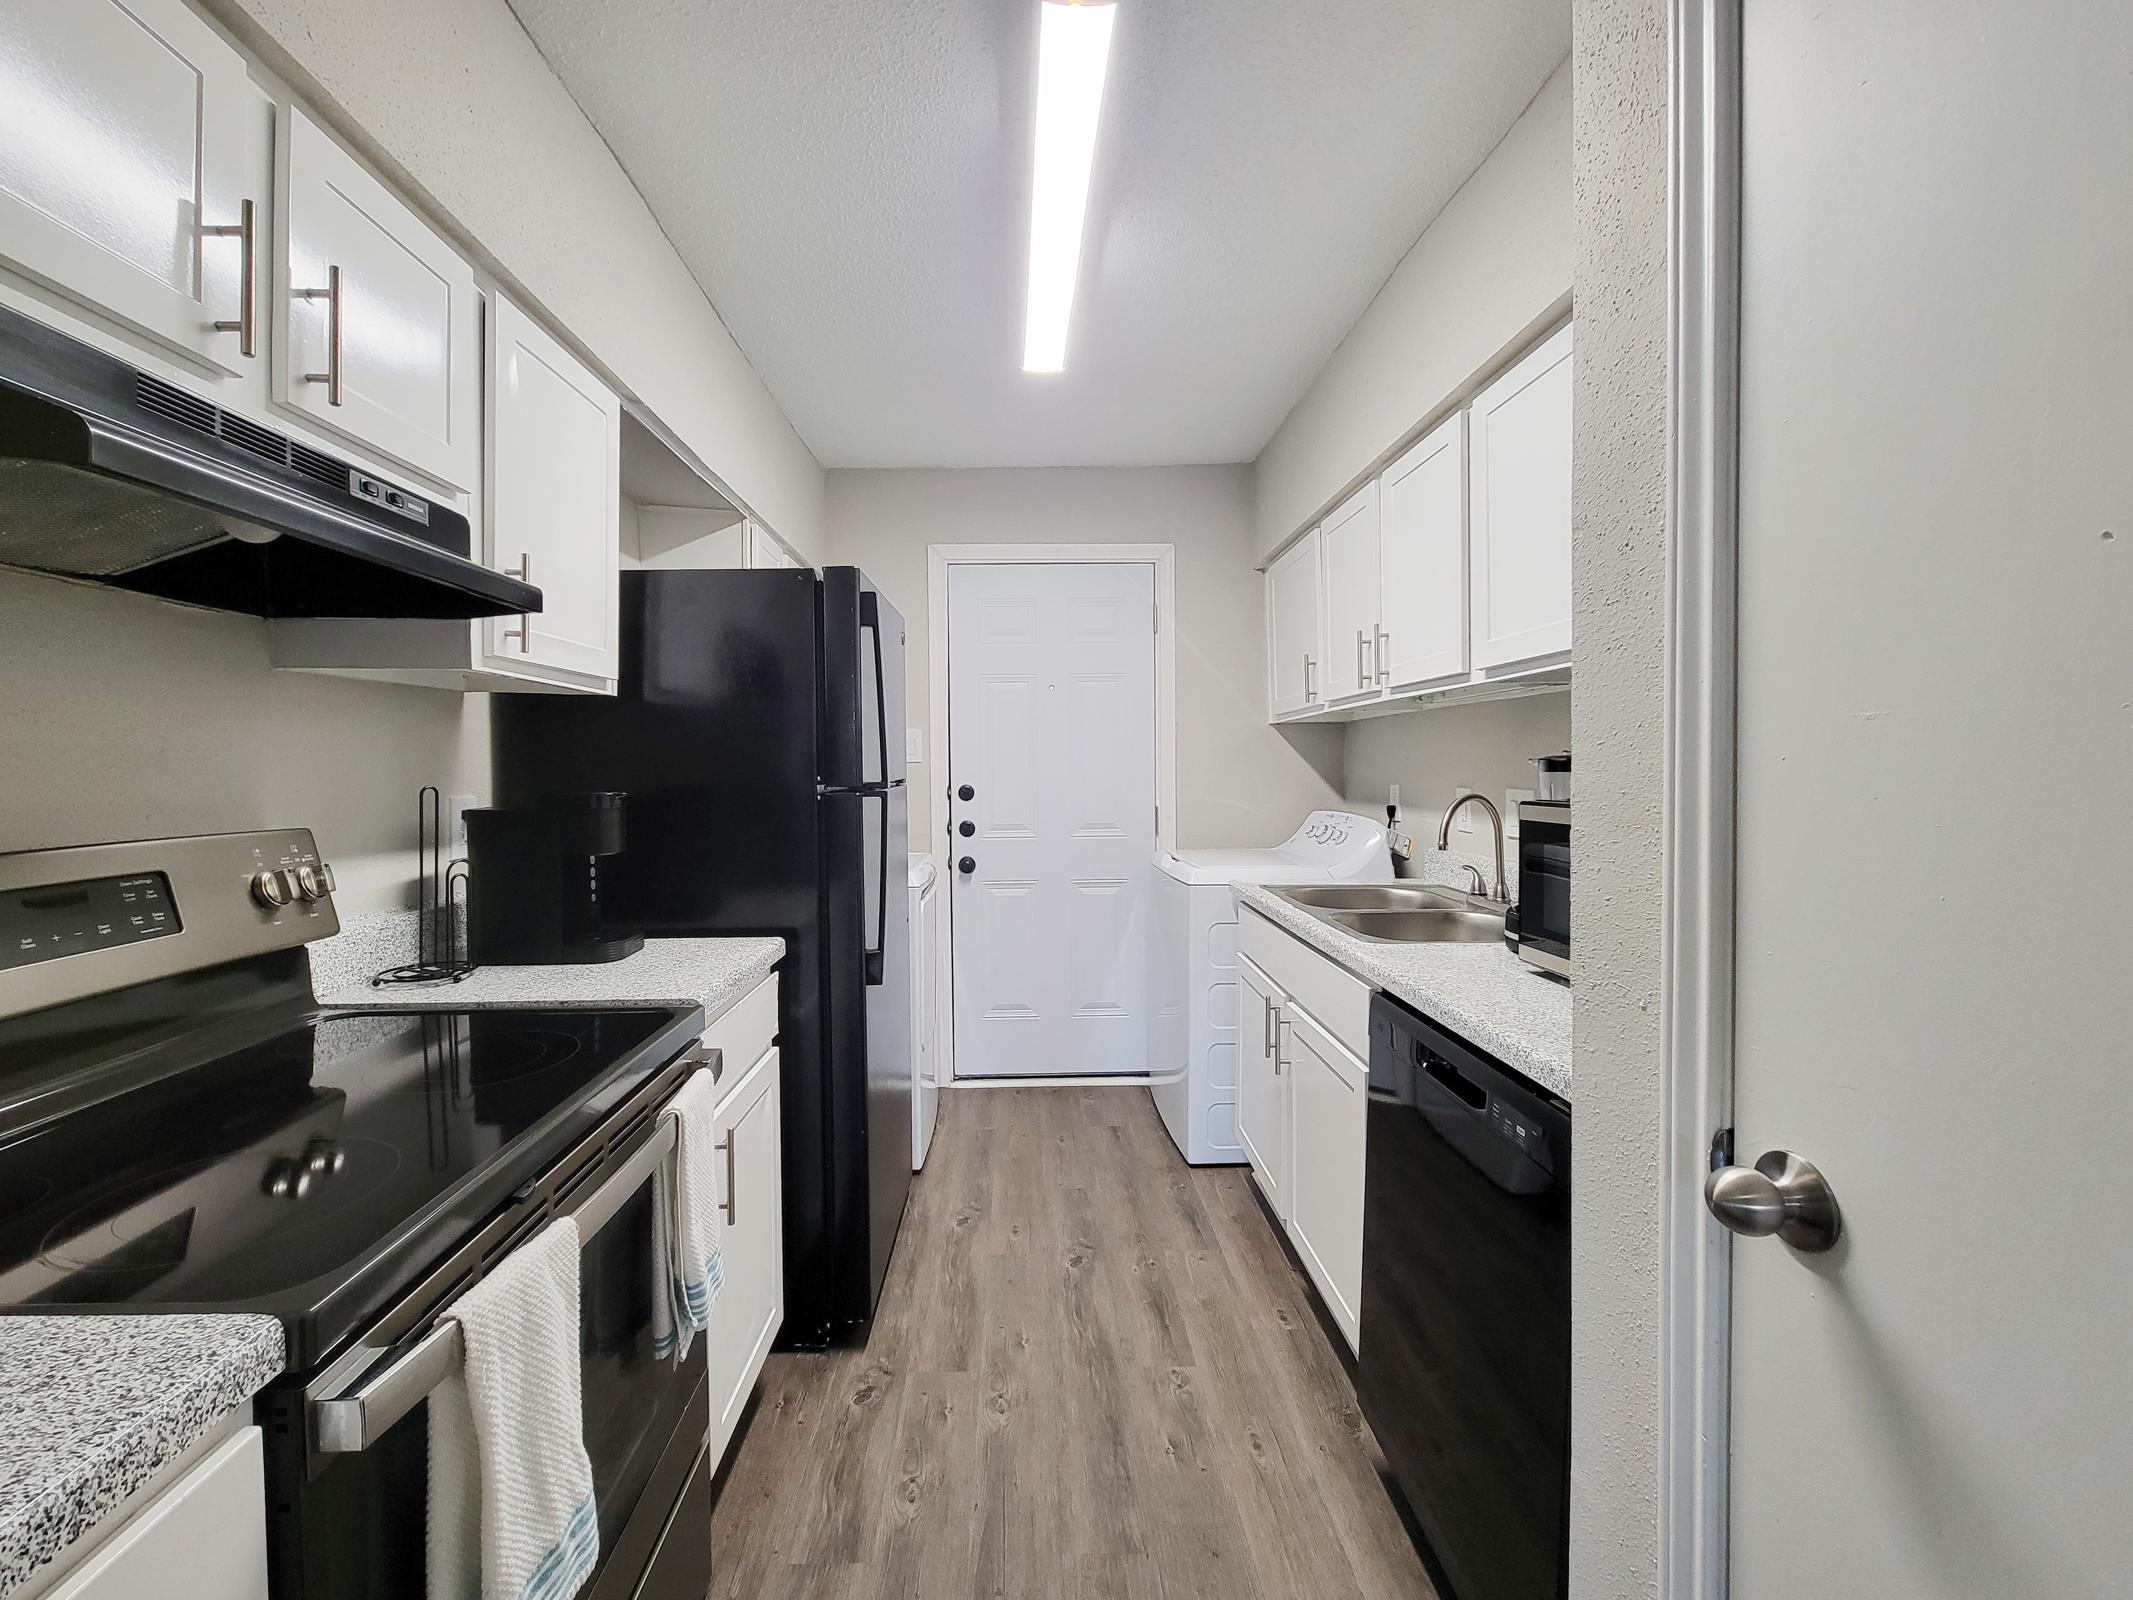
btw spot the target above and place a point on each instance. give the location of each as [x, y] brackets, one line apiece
[290, 1175]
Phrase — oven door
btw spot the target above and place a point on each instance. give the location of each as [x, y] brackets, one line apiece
[358, 1451]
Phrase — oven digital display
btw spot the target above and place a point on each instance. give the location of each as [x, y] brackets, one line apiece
[67, 919]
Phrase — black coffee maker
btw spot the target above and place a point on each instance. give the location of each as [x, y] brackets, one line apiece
[533, 882]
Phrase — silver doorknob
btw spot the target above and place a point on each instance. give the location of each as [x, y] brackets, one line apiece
[1781, 1194]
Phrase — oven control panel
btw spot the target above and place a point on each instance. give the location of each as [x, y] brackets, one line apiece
[69, 919]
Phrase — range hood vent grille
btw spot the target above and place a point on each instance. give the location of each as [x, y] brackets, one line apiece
[173, 404]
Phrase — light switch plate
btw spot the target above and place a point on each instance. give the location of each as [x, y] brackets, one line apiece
[1512, 800]
[456, 808]
[1466, 817]
[914, 747]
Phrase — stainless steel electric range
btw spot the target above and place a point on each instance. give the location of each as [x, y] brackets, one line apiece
[182, 1127]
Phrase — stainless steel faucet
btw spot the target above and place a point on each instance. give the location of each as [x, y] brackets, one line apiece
[1444, 834]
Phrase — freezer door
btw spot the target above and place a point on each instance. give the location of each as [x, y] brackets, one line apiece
[862, 683]
[890, 1088]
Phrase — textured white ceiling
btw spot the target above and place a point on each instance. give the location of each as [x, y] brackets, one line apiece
[849, 180]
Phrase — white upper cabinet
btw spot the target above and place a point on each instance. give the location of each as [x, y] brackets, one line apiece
[1424, 609]
[1520, 487]
[127, 139]
[376, 316]
[1353, 584]
[553, 498]
[1294, 622]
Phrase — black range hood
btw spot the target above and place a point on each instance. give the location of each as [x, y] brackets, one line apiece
[111, 474]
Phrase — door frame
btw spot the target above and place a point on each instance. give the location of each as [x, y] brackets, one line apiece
[1698, 871]
[939, 558]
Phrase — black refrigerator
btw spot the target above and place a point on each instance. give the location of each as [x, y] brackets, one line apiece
[758, 732]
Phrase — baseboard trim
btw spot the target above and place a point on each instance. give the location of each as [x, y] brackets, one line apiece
[1084, 1080]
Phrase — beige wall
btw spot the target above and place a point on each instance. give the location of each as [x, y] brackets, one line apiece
[129, 718]
[455, 104]
[1433, 753]
[1240, 782]
[1618, 491]
[1490, 272]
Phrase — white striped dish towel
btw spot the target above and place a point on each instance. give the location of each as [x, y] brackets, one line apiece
[685, 1221]
[511, 1511]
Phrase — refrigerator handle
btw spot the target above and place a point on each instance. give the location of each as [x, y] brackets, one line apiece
[877, 956]
[870, 624]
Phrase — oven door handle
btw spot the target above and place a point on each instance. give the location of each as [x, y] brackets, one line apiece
[359, 1415]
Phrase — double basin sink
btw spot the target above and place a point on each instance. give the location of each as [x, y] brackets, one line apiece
[1399, 913]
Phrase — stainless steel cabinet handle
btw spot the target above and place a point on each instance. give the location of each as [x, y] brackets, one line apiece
[336, 303]
[1272, 1043]
[523, 633]
[1781, 1194]
[1310, 683]
[246, 327]
[1377, 653]
[731, 1204]
[1362, 673]
[1280, 1022]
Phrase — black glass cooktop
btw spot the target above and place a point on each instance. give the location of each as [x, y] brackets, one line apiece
[311, 1173]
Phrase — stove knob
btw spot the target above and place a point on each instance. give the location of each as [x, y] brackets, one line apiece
[323, 1158]
[287, 1179]
[310, 883]
[272, 888]
[325, 877]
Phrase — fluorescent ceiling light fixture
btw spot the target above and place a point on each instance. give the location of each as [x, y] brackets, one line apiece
[1073, 47]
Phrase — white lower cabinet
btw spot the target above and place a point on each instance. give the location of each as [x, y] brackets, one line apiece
[202, 1538]
[751, 1301]
[1302, 1094]
[1262, 1091]
[1327, 1084]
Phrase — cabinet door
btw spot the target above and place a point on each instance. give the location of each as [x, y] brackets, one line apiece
[1262, 1086]
[1295, 656]
[554, 497]
[376, 334]
[751, 1302]
[1326, 1119]
[1352, 586]
[203, 1538]
[123, 145]
[1424, 611]
[1520, 484]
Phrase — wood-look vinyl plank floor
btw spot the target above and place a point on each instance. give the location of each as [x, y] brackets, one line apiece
[1093, 1376]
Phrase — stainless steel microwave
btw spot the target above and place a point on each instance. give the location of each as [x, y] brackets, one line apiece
[1544, 885]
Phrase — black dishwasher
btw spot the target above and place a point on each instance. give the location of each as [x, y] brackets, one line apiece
[1464, 1370]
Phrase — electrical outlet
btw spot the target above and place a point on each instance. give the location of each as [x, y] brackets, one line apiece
[914, 747]
[1466, 815]
[456, 808]
[1512, 800]
[1395, 799]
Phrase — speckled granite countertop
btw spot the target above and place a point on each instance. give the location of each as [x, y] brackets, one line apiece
[712, 973]
[91, 1408]
[1481, 992]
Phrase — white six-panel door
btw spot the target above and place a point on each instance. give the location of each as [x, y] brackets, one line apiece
[1051, 718]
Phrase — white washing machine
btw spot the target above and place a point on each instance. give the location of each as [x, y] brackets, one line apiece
[1192, 1046]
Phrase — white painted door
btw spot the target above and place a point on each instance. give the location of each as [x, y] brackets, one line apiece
[408, 356]
[1262, 1097]
[925, 1018]
[1424, 607]
[1295, 627]
[751, 1302]
[1327, 1100]
[554, 498]
[1519, 482]
[1935, 965]
[124, 141]
[1051, 730]
[1353, 583]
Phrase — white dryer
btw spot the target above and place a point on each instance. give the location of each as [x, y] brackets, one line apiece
[1192, 1046]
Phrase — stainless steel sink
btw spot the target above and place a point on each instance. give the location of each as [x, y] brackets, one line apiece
[1373, 897]
[1399, 913]
[1419, 927]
